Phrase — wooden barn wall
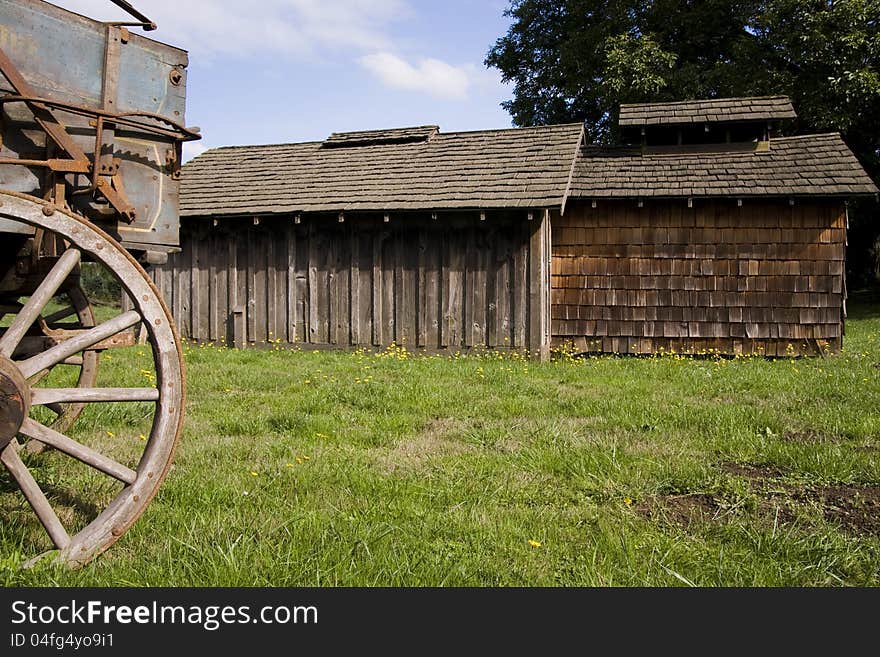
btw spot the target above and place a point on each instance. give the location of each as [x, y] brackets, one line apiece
[764, 278]
[456, 283]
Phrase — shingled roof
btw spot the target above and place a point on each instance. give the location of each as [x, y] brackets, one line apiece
[759, 108]
[793, 166]
[522, 167]
[374, 137]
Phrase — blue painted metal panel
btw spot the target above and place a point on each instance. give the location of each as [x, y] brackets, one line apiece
[62, 56]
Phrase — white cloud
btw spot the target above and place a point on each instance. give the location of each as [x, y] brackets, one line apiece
[431, 76]
[264, 27]
[193, 149]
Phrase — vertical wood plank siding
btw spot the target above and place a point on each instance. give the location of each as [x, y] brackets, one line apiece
[451, 284]
[764, 278]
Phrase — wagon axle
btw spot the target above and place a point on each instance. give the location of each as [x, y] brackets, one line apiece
[15, 401]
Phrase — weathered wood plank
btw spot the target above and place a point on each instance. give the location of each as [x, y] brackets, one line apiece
[433, 266]
[409, 293]
[215, 266]
[389, 289]
[521, 288]
[503, 292]
[377, 314]
[400, 290]
[302, 281]
[272, 300]
[291, 283]
[491, 291]
[445, 283]
[480, 302]
[453, 312]
[196, 292]
[259, 298]
[354, 287]
[470, 284]
[342, 301]
[538, 285]
[313, 328]
[422, 300]
[334, 303]
[184, 283]
[252, 264]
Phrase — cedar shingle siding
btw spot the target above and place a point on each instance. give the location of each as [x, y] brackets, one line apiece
[762, 278]
[443, 241]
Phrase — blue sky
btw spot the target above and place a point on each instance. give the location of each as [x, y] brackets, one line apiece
[276, 71]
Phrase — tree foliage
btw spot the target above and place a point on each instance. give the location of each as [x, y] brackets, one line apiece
[577, 60]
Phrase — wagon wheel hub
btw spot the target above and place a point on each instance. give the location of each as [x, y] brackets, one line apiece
[15, 401]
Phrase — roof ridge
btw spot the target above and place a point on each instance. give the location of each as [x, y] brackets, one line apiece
[706, 100]
[402, 127]
[439, 135]
[275, 145]
[812, 134]
[513, 129]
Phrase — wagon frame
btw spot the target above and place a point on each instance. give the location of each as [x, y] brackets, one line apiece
[91, 123]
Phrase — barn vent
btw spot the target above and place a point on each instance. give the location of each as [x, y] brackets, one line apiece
[419, 134]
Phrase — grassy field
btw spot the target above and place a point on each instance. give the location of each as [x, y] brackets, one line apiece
[358, 469]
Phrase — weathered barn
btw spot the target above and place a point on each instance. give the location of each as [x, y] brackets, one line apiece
[428, 240]
[704, 231]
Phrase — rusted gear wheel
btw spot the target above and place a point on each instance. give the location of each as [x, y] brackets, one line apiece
[129, 474]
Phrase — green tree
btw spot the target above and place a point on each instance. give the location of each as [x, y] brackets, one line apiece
[577, 60]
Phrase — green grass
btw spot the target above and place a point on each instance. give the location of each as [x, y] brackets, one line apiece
[317, 469]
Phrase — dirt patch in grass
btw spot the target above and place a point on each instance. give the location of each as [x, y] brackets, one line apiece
[857, 508]
[416, 452]
[755, 473]
[683, 509]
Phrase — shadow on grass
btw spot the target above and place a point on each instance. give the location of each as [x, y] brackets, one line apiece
[863, 304]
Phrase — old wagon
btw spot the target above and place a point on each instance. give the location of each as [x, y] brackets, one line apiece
[92, 124]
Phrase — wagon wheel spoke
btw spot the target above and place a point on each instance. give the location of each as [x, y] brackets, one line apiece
[75, 315]
[56, 408]
[49, 396]
[37, 431]
[64, 313]
[38, 300]
[34, 495]
[60, 352]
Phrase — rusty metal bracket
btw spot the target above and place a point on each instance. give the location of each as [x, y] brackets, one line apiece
[143, 21]
[126, 119]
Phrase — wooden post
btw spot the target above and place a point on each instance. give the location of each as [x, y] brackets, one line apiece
[238, 330]
[539, 285]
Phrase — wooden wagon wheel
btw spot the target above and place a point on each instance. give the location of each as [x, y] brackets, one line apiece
[76, 314]
[136, 481]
